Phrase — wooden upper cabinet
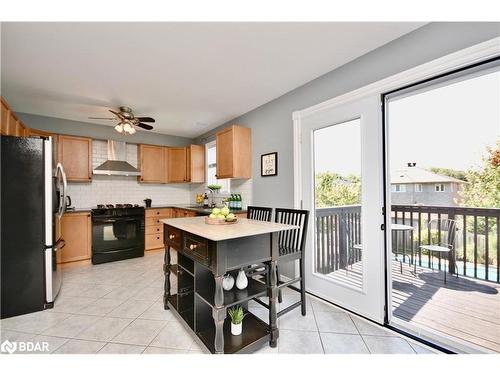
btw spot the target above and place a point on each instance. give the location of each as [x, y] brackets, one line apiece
[234, 152]
[10, 124]
[75, 155]
[30, 132]
[76, 229]
[177, 164]
[195, 162]
[152, 164]
[4, 125]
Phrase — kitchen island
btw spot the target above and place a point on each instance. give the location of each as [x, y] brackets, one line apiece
[205, 253]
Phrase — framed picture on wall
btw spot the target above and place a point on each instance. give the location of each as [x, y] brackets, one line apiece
[269, 164]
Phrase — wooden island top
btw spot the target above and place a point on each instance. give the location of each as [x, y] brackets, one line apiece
[242, 228]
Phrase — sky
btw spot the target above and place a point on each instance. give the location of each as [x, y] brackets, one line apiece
[333, 143]
[448, 127]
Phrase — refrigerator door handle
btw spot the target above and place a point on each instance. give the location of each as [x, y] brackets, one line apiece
[59, 245]
[63, 193]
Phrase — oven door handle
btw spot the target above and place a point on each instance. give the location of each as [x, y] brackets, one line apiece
[113, 220]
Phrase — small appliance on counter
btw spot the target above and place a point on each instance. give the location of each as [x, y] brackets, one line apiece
[68, 203]
[148, 202]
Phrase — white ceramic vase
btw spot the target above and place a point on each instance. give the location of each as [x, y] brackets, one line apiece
[236, 328]
[228, 282]
[241, 280]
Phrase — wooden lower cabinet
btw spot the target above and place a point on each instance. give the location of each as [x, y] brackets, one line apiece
[179, 212]
[154, 228]
[76, 230]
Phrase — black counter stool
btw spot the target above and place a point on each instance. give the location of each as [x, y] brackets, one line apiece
[291, 244]
[259, 213]
[262, 214]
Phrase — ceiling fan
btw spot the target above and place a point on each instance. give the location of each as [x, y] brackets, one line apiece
[127, 120]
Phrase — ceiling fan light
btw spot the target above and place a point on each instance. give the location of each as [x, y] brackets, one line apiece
[132, 130]
[119, 128]
[127, 127]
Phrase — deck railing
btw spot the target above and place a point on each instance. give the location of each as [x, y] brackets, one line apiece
[477, 243]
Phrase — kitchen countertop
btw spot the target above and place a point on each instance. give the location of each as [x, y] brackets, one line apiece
[190, 207]
[242, 228]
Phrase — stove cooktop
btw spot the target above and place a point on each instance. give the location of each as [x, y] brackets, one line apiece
[118, 205]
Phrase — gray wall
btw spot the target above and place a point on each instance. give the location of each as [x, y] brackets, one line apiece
[271, 123]
[85, 129]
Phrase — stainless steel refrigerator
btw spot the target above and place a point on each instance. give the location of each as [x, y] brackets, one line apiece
[33, 196]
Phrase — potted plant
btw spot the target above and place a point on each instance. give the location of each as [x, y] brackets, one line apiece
[236, 313]
[214, 189]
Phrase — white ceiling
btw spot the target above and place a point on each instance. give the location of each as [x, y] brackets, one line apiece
[190, 77]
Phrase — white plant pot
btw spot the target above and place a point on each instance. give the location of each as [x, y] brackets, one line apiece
[236, 329]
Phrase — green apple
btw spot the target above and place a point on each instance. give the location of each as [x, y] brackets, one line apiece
[220, 216]
[216, 211]
[224, 211]
[230, 216]
[212, 216]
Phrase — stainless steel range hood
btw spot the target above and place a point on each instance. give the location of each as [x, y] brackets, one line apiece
[116, 164]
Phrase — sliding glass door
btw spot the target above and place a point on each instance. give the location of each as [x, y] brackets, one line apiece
[443, 187]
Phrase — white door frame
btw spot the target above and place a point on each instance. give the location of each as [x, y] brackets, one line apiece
[468, 56]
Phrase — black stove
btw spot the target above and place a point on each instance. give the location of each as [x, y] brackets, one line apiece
[118, 205]
[117, 232]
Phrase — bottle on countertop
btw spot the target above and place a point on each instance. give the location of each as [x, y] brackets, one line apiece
[205, 200]
[240, 204]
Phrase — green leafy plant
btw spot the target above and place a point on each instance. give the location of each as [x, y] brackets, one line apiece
[214, 187]
[236, 313]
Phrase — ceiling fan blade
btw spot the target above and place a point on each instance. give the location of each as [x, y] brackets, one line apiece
[117, 114]
[144, 126]
[102, 118]
[145, 119]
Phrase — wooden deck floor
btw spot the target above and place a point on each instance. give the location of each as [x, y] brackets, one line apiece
[465, 308]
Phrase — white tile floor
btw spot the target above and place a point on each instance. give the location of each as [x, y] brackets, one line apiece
[117, 308]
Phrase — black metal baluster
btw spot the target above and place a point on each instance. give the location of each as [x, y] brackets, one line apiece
[475, 246]
[486, 247]
[419, 227]
[465, 243]
[439, 240]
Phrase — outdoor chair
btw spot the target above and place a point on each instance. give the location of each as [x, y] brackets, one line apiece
[446, 230]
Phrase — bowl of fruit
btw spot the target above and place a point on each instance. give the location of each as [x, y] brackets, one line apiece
[221, 216]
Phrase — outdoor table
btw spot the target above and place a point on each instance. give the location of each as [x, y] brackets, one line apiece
[405, 228]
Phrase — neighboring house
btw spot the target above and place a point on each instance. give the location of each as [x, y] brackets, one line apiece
[413, 185]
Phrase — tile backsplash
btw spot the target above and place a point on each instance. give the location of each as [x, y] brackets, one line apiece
[243, 187]
[123, 189]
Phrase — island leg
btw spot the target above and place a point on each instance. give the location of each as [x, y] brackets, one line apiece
[166, 272]
[272, 285]
[273, 312]
[219, 314]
